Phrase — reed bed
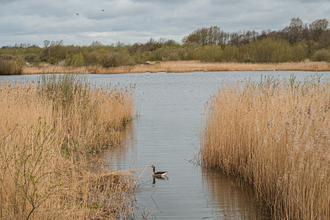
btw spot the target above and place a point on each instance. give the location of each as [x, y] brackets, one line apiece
[182, 66]
[48, 131]
[274, 135]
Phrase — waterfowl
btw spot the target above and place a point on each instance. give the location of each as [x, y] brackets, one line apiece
[158, 174]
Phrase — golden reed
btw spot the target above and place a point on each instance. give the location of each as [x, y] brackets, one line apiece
[182, 66]
[274, 135]
[46, 139]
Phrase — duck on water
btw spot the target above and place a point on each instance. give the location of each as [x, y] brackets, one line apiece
[161, 174]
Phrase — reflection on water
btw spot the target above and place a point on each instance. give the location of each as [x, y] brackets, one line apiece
[231, 198]
[159, 178]
[117, 154]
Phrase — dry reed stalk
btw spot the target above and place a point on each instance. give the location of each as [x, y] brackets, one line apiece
[44, 169]
[274, 135]
[183, 66]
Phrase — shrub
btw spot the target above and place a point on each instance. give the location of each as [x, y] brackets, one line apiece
[137, 58]
[9, 65]
[36, 61]
[269, 50]
[92, 58]
[130, 62]
[300, 52]
[230, 53]
[114, 59]
[30, 57]
[74, 60]
[109, 60]
[174, 56]
[211, 53]
[321, 55]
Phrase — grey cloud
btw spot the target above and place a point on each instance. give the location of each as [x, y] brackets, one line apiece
[130, 21]
[175, 2]
[3, 2]
[311, 1]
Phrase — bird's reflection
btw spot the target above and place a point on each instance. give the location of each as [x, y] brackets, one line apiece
[159, 178]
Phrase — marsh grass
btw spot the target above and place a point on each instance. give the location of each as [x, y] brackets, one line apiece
[274, 134]
[93, 116]
[183, 66]
[48, 132]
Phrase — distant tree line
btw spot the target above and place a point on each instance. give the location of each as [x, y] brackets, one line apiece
[294, 43]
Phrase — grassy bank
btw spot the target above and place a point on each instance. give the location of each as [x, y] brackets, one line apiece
[275, 135]
[48, 130]
[181, 66]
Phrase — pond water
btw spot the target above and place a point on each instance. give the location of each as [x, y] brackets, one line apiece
[167, 134]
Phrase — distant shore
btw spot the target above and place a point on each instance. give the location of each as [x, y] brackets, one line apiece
[181, 66]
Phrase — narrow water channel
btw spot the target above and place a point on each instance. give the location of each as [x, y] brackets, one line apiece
[167, 134]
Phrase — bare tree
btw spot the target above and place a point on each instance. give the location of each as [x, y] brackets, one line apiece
[295, 30]
[96, 44]
[46, 43]
[208, 36]
[318, 27]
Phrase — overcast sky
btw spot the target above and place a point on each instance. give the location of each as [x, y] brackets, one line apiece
[131, 21]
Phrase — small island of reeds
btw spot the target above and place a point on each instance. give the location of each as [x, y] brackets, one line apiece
[274, 134]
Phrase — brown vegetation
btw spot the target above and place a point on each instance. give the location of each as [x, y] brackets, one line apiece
[11, 65]
[48, 130]
[274, 135]
[182, 66]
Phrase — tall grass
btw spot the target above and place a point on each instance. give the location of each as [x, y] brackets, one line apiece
[48, 131]
[275, 135]
[92, 117]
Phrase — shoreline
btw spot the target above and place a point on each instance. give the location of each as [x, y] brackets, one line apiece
[180, 66]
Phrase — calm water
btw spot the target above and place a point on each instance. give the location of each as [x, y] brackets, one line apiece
[166, 134]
